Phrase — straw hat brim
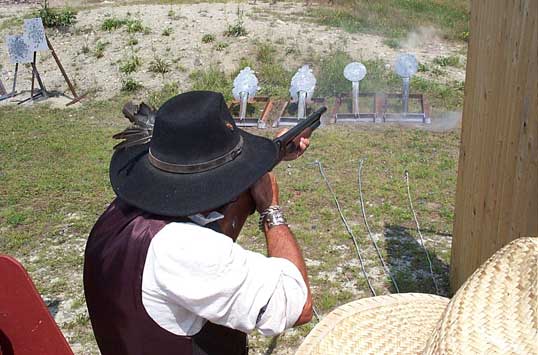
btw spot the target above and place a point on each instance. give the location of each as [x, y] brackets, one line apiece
[393, 324]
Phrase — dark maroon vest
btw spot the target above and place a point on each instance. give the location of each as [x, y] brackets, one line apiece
[113, 265]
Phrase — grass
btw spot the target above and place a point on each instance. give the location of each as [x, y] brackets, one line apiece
[379, 78]
[11, 22]
[220, 46]
[132, 41]
[159, 66]
[159, 97]
[167, 31]
[130, 85]
[208, 38]
[213, 79]
[448, 61]
[112, 24]
[237, 29]
[56, 17]
[45, 219]
[130, 64]
[274, 78]
[100, 46]
[131, 25]
[395, 18]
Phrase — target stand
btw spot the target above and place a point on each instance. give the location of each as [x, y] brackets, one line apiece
[356, 117]
[257, 122]
[22, 48]
[292, 107]
[418, 102]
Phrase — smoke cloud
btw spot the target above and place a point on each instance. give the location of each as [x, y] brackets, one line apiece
[420, 36]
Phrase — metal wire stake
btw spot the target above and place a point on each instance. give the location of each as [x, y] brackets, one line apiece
[350, 232]
[316, 314]
[419, 233]
[385, 267]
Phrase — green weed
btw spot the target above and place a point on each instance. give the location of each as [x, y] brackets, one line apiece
[134, 25]
[99, 50]
[130, 85]
[395, 18]
[220, 46]
[132, 41]
[212, 78]
[112, 23]
[167, 31]
[11, 23]
[392, 43]
[331, 81]
[159, 65]
[237, 29]
[130, 65]
[265, 53]
[452, 61]
[56, 17]
[208, 38]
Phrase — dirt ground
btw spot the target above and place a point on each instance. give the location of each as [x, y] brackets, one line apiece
[283, 24]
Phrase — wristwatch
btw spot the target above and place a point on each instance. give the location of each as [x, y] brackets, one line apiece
[272, 216]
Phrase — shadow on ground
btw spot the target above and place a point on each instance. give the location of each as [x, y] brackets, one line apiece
[409, 265]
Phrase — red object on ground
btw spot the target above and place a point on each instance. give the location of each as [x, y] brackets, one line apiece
[26, 326]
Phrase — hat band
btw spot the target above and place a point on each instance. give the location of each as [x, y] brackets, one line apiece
[199, 167]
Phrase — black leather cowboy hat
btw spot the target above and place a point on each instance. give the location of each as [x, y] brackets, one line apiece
[196, 160]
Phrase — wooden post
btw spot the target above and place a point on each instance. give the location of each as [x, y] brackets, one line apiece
[497, 188]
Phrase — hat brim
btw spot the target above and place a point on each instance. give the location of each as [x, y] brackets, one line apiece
[391, 324]
[140, 184]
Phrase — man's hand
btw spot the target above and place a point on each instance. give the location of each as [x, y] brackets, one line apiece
[301, 144]
[265, 192]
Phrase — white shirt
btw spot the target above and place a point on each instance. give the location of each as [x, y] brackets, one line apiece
[193, 274]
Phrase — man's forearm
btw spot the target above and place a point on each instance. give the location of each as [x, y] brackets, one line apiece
[282, 244]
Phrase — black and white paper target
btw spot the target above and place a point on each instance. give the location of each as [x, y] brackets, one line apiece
[35, 34]
[18, 49]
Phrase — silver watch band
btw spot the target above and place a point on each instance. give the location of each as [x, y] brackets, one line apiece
[272, 216]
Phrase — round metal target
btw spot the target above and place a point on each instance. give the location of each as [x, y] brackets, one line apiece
[406, 65]
[355, 71]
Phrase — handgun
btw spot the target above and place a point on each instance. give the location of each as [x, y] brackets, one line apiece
[285, 142]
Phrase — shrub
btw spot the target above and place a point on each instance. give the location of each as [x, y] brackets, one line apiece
[130, 85]
[56, 17]
[392, 43]
[167, 31]
[274, 80]
[453, 61]
[237, 29]
[265, 53]
[112, 23]
[212, 78]
[220, 46]
[134, 25]
[208, 38]
[100, 49]
[423, 68]
[130, 65]
[331, 81]
[159, 65]
[132, 41]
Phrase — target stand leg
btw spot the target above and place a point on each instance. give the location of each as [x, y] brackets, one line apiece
[13, 92]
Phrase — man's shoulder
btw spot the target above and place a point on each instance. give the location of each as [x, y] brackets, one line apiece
[189, 240]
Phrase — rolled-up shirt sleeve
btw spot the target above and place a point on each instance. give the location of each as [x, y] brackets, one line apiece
[206, 273]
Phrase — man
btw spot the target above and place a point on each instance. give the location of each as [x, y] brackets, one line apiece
[159, 276]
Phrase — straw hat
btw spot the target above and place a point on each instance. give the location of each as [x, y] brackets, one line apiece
[494, 312]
